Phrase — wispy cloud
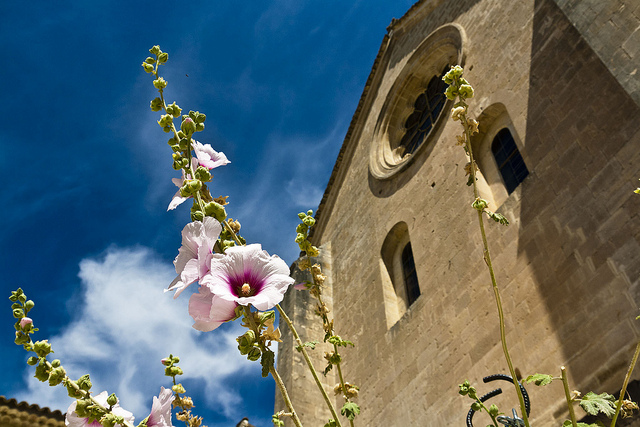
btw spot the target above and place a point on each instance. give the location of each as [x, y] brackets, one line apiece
[126, 324]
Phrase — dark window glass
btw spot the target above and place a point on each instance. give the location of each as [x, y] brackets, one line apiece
[509, 160]
[426, 110]
[410, 275]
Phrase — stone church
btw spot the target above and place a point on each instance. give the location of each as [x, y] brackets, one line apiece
[558, 101]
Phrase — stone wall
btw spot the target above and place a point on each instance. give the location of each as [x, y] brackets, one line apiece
[568, 266]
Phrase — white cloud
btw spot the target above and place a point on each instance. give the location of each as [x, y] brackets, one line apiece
[126, 324]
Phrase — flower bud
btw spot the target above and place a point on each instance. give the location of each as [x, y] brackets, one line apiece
[32, 361]
[215, 210]
[84, 382]
[254, 354]
[72, 392]
[112, 399]
[160, 83]
[310, 221]
[203, 174]
[466, 91]
[199, 127]
[300, 238]
[55, 363]
[110, 420]
[148, 67]
[82, 408]
[155, 50]
[197, 216]
[302, 215]
[21, 338]
[165, 362]
[163, 57]
[42, 348]
[476, 406]
[479, 204]
[29, 305]
[42, 372]
[56, 376]
[25, 323]
[174, 110]
[188, 126]
[312, 251]
[165, 120]
[178, 388]
[451, 92]
[18, 313]
[156, 104]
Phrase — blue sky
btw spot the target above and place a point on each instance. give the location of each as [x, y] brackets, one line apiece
[87, 173]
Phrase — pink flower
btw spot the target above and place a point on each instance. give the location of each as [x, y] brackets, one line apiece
[73, 420]
[25, 321]
[209, 311]
[248, 275]
[208, 157]
[192, 262]
[161, 409]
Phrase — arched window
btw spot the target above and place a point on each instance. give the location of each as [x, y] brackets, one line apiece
[426, 110]
[410, 275]
[509, 160]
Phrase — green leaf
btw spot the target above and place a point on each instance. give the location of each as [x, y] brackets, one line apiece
[336, 340]
[267, 362]
[331, 423]
[539, 379]
[568, 423]
[593, 403]
[327, 369]
[350, 410]
[309, 344]
[499, 218]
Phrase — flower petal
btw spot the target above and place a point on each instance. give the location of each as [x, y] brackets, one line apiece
[209, 311]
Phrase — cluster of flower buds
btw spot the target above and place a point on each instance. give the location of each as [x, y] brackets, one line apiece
[302, 236]
[458, 86]
[350, 391]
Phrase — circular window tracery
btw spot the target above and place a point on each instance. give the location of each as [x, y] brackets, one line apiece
[411, 114]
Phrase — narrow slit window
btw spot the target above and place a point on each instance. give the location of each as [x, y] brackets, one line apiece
[509, 160]
[410, 275]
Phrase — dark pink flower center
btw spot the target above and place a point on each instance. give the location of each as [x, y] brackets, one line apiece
[247, 284]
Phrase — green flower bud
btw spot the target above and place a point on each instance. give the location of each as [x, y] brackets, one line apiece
[32, 361]
[310, 212]
[476, 406]
[18, 313]
[197, 116]
[451, 92]
[166, 120]
[300, 238]
[156, 104]
[155, 50]
[185, 191]
[178, 388]
[302, 215]
[175, 359]
[302, 228]
[56, 376]
[195, 185]
[72, 392]
[160, 83]
[29, 305]
[203, 174]
[312, 251]
[184, 143]
[55, 363]
[466, 91]
[188, 126]
[110, 420]
[266, 315]
[215, 210]
[84, 382]
[21, 338]
[150, 60]
[493, 410]
[480, 204]
[112, 399]
[42, 348]
[177, 165]
[163, 57]
[197, 216]
[148, 67]
[42, 371]
[254, 354]
[174, 110]
[175, 370]
[83, 408]
[199, 127]
[310, 221]
[246, 341]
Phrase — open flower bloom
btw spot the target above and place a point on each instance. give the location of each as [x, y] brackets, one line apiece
[248, 275]
[208, 157]
[161, 409]
[192, 262]
[210, 311]
[73, 420]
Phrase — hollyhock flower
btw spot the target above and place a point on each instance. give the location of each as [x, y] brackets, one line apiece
[248, 275]
[208, 157]
[192, 262]
[210, 311]
[73, 420]
[161, 409]
[25, 321]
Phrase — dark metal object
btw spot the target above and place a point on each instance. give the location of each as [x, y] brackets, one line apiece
[503, 419]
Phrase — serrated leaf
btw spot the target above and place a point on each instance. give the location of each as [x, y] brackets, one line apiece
[309, 344]
[568, 423]
[593, 403]
[539, 379]
[350, 410]
[267, 362]
[331, 423]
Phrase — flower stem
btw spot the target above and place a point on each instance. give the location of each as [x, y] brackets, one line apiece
[623, 391]
[344, 389]
[314, 373]
[567, 395]
[496, 292]
[272, 369]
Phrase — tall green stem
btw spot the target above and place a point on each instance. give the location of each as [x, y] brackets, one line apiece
[327, 400]
[567, 395]
[634, 360]
[496, 292]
